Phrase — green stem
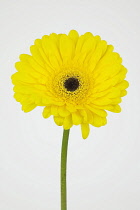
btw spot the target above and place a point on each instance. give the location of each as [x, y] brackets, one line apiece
[64, 169]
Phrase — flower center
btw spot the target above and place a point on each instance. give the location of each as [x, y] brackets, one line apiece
[71, 84]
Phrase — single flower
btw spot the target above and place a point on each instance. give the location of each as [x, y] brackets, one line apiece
[75, 78]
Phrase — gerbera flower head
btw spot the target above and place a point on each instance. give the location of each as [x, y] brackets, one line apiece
[75, 78]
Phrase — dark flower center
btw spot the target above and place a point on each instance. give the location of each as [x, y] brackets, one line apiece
[71, 84]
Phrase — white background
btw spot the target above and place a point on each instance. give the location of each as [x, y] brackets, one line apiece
[104, 170]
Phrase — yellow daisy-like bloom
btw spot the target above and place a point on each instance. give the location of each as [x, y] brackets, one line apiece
[75, 77]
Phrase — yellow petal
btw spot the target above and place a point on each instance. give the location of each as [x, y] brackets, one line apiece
[83, 113]
[25, 58]
[90, 115]
[47, 112]
[102, 101]
[76, 118]
[58, 120]
[123, 93]
[54, 110]
[25, 67]
[98, 121]
[97, 54]
[66, 48]
[50, 47]
[116, 100]
[28, 107]
[67, 124]
[123, 85]
[88, 46]
[71, 108]
[36, 55]
[22, 77]
[81, 41]
[85, 130]
[24, 99]
[38, 67]
[37, 42]
[114, 92]
[74, 36]
[54, 62]
[63, 112]
[99, 112]
[116, 109]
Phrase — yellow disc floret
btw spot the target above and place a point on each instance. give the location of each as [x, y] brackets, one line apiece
[75, 78]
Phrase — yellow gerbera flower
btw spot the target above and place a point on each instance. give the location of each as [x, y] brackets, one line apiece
[75, 77]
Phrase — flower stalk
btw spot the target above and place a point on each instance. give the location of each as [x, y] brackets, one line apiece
[64, 169]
